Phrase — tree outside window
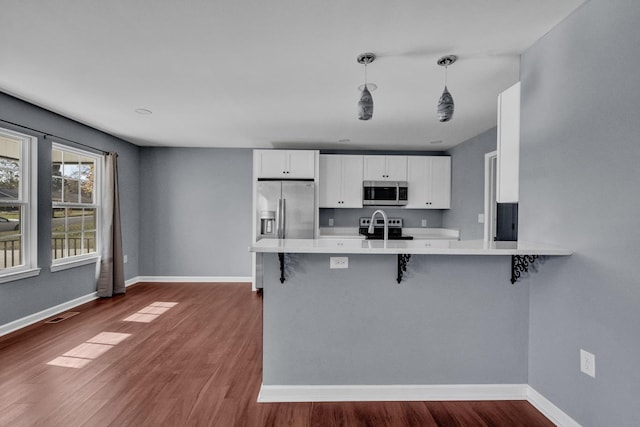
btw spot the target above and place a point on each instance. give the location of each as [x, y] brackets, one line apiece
[74, 224]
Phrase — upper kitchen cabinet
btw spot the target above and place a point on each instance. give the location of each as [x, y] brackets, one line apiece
[285, 164]
[385, 168]
[508, 170]
[340, 181]
[429, 182]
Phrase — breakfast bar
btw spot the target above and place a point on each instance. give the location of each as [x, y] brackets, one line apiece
[353, 333]
[522, 253]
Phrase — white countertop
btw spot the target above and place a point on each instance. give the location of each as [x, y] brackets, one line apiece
[425, 247]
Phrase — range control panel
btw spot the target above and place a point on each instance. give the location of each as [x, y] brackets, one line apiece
[379, 222]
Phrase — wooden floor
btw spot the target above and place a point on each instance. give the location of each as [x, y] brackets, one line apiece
[199, 363]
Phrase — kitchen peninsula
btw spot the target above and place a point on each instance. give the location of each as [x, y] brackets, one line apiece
[356, 334]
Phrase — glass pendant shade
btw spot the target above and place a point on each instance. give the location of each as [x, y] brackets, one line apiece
[445, 106]
[365, 105]
[445, 103]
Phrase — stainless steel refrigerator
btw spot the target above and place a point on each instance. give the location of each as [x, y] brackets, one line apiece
[285, 209]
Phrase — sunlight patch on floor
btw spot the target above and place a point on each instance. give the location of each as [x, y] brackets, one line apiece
[150, 312]
[81, 355]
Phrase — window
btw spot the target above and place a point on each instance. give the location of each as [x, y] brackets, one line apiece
[18, 206]
[76, 210]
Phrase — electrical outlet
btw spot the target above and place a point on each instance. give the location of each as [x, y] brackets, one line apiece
[588, 363]
[126, 259]
[338, 262]
[424, 222]
[330, 222]
[481, 218]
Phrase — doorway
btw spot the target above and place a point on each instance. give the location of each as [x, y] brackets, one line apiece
[490, 203]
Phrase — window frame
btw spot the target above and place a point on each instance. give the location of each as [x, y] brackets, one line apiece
[88, 258]
[28, 200]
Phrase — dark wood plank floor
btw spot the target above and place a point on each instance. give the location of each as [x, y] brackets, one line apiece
[199, 363]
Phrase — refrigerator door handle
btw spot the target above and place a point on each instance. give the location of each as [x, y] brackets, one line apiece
[278, 219]
[283, 217]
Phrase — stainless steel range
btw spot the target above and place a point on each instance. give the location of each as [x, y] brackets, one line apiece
[395, 229]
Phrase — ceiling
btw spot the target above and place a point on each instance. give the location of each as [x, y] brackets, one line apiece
[253, 73]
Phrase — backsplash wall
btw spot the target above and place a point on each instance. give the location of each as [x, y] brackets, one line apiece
[412, 217]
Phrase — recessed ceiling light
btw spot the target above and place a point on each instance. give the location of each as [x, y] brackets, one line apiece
[344, 140]
[143, 111]
[437, 141]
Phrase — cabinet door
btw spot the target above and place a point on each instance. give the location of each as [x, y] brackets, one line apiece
[294, 164]
[375, 168]
[429, 180]
[440, 183]
[351, 177]
[300, 164]
[508, 147]
[418, 180]
[330, 181]
[396, 168]
[272, 164]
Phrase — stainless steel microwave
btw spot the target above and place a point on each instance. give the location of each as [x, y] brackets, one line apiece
[384, 193]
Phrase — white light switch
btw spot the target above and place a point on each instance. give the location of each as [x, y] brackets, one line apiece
[330, 222]
[588, 363]
[424, 222]
[338, 262]
[481, 218]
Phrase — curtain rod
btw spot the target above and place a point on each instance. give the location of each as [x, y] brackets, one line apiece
[47, 134]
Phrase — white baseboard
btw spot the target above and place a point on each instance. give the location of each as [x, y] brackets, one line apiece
[194, 279]
[52, 311]
[360, 393]
[44, 314]
[386, 393]
[551, 411]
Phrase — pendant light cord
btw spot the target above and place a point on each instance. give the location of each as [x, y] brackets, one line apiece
[365, 73]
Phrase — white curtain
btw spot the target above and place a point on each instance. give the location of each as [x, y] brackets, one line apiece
[111, 273]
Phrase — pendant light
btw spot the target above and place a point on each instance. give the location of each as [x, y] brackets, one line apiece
[445, 103]
[365, 105]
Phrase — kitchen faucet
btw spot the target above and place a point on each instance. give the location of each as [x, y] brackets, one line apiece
[386, 224]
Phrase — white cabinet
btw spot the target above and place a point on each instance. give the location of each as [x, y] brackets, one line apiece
[298, 164]
[508, 170]
[385, 168]
[429, 182]
[340, 181]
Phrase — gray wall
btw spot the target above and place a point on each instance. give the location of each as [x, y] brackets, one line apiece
[195, 211]
[467, 185]
[453, 320]
[411, 217]
[580, 174]
[24, 297]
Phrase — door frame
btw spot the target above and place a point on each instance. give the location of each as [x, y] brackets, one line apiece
[490, 183]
